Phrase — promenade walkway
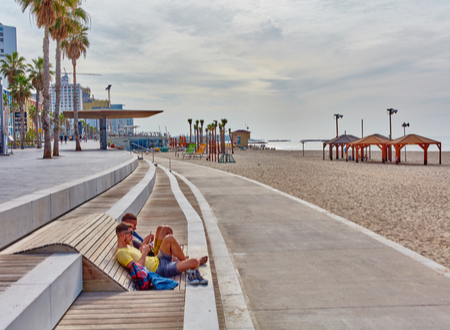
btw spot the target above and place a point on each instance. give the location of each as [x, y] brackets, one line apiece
[26, 171]
[300, 268]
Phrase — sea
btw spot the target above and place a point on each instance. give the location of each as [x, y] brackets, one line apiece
[297, 145]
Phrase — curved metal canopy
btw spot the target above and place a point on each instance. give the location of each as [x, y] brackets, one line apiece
[112, 113]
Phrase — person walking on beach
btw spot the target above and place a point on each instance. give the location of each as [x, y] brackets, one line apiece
[65, 138]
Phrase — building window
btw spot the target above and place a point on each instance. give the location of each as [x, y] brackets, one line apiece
[1, 34]
[2, 51]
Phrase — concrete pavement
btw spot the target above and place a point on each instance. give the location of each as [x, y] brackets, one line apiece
[302, 269]
[26, 171]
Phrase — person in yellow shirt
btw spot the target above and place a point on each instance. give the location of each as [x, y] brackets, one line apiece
[170, 260]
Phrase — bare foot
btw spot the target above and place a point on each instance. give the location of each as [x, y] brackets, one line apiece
[203, 260]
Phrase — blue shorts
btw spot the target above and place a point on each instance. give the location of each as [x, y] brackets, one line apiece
[167, 267]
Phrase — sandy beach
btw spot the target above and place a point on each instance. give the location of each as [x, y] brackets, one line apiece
[408, 203]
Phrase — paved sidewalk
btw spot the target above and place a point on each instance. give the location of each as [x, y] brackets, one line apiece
[301, 269]
[26, 171]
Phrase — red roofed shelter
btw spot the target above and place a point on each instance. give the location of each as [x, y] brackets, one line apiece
[414, 139]
[362, 144]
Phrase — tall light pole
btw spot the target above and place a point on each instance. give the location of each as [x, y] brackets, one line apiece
[390, 112]
[404, 125]
[109, 106]
[337, 116]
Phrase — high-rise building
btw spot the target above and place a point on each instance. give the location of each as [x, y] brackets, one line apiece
[67, 89]
[8, 44]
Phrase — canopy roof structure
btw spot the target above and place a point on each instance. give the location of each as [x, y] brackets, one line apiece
[104, 114]
[374, 139]
[342, 139]
[112, 113]
[414, 139]
[339, 141]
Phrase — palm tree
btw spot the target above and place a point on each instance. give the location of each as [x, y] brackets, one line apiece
[21, 91]
[6, 113]
[190, 130]
[36, 75]
[201, 130]
[222, 136]
[73, 47]
[11, 68]
[68, 17]
[45, 13]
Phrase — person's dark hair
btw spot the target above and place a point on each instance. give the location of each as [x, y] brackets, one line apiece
[123, 227]
[129, 216]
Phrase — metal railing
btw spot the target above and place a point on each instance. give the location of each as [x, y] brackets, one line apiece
[143, 149]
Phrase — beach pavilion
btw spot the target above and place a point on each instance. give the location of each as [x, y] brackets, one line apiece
[340, 141]
[103, 114]
[364, 143]
[414, 139]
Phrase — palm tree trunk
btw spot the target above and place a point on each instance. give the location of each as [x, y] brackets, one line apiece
[38, 136]
[75, 109]
[22, 127]
[13, 113]
[46, 95]
[57, 101]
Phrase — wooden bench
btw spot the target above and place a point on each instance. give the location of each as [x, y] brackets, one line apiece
[94, 237]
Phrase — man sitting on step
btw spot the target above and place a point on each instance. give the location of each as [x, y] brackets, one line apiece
[161, 232]
[169, 262]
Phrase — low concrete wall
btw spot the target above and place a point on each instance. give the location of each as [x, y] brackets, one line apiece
[135, 199]
[40, 298]
[21, 216]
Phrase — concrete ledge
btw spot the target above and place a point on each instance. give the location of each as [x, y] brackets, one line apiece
[22, 215]
[235, 308]
[135, 199]
[40, 298]
[200, 306]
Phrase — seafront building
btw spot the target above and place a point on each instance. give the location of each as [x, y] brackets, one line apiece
[8, 44]
[67, 91]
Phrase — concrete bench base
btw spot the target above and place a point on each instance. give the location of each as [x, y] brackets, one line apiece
[40, 298]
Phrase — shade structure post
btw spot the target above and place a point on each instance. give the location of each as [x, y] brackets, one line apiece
[439, 146]
[353, 153]
[342, 151]
[103, 128]
[425, 154]
[337, 151]
[357, 153]
[323, 151]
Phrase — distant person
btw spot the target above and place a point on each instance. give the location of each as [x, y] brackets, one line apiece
[65, 138]
[170, 261]
[61, 138]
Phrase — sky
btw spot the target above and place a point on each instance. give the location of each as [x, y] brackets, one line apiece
[281, 68]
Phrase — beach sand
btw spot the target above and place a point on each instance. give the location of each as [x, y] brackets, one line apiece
[408, 203]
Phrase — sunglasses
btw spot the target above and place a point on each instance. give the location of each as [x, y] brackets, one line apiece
[128, 232]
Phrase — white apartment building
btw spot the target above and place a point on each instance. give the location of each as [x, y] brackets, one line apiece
[8, 44]
[66, 103]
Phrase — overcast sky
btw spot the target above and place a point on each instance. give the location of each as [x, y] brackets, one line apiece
[283, 68]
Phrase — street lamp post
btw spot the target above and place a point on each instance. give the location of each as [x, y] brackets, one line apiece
[337, 116]
[390, 112]
[404, 125]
